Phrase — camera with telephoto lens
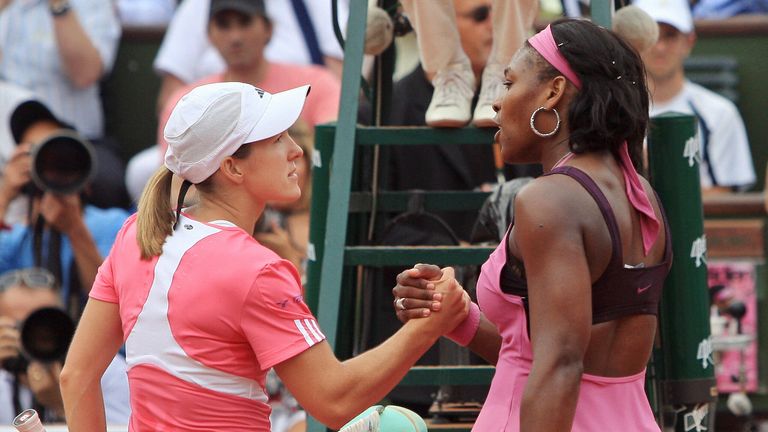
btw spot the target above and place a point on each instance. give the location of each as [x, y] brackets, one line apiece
[63, 163]
[45, 337]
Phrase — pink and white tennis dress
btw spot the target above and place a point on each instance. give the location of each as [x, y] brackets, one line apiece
[203, 323]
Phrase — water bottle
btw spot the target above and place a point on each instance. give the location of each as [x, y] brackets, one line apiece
[28, 421]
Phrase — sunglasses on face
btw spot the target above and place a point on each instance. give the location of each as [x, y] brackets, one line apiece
[33, 277]
[478, 14]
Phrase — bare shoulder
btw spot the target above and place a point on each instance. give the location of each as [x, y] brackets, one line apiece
[556, 198]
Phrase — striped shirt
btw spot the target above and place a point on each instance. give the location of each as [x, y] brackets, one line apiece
[30, 57]
[203, 324]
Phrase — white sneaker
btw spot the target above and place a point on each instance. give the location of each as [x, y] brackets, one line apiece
[451, 104]
[491, 89]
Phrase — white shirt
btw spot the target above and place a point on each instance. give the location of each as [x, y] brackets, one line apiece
[187, 54]
[726, 156]
[146, 12]
[30, 57]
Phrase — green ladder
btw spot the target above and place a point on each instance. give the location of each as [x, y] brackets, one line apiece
[339, 205]
[336, 246]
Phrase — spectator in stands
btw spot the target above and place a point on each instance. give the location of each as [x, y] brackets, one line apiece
[11, 96]
[726, 161]
[303, 34]
[240, 30]
[60, 50]
[62, 234]
[448, 66]
[447, 167]
[26, 384]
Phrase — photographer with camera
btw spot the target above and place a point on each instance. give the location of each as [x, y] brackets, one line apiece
[52, 166]
[34, 335]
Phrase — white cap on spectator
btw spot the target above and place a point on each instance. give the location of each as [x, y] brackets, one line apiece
[212, 121]
[676, 13]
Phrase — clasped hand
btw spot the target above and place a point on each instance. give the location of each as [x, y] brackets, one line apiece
[427, 290]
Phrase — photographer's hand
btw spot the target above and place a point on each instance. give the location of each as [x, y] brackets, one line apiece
[15, 175]
[44, 383]
[9, 339]
[62, 212]
[65, 214]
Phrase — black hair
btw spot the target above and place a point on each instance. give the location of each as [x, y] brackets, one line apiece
[612, 105]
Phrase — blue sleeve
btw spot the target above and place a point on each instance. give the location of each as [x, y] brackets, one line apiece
[104, 226]
[11, 254]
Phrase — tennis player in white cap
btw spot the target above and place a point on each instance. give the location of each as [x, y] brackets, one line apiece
[204, 310]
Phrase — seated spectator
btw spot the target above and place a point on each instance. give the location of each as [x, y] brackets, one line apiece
[62, 234]
[447, 167]
[27, 383]
[726, 160]
[448, 65]
[186, 55]
[60, 50]
[240, 31]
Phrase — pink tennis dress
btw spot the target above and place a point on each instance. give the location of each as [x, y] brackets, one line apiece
[605, 404]
[203, 323]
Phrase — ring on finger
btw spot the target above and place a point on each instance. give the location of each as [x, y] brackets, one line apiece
[399, 303]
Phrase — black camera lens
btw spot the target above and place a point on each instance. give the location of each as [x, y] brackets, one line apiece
[46, 334]
[63, 163]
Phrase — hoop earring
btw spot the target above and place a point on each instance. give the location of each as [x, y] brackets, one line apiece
[548, 134]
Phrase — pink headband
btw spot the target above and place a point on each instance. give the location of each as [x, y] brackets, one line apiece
[544, 43]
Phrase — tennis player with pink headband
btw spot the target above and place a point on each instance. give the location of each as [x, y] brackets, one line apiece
[570, 297]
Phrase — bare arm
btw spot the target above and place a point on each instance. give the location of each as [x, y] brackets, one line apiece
[559, 289]
[334, 392]
[81, 60]
[97, 339]
[487, 341]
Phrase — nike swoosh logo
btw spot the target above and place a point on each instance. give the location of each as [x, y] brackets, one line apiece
[643, 289]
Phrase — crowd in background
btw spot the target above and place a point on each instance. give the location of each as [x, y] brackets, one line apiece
[54, 54]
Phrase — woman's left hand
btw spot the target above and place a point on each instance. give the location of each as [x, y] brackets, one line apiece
[415, 295]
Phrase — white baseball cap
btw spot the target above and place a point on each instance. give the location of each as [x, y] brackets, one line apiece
[212, 121]
[676, 13]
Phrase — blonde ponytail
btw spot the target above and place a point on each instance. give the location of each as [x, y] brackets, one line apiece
[155, 219]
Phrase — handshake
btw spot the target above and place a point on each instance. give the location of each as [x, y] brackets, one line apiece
[427, 291]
